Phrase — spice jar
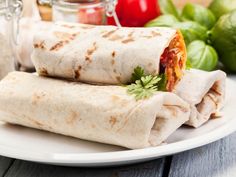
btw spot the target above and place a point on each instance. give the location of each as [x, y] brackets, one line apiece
[10, 11]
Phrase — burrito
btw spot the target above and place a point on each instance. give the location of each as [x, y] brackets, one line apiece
[105, 114]
[205, 92]
[108, 54]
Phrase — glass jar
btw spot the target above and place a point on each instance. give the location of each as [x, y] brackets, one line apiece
[10, 11]
[82, 11]
[89, 12]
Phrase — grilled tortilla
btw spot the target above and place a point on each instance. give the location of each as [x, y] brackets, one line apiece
[103, 114]
[204, 91]
[108, 54]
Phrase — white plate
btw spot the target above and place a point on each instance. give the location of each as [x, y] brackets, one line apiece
[39, 146]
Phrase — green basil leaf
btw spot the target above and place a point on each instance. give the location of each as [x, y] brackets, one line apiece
[163, 20]
[221, 7]
[202, 56]
[200, 14]
[192, 31]
[168, 7]
[223, 39]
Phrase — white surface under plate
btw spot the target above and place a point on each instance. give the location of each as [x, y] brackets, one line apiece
[39, 146]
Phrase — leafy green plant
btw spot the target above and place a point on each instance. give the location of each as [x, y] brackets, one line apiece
[144, 86]
[163, 20]
[194, 23]
[199, 14]
[192, 31]
[168, 7]
[223, 39]
[222, 7]
[202, 56]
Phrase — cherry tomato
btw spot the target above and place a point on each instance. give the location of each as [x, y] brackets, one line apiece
[135, 13]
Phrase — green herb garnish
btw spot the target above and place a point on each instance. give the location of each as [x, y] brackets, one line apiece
[188, 64]
[162, 83]
[137, 74]
[144, 86]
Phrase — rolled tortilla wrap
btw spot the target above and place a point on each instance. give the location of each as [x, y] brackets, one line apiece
[108, 54]
[204, 91]
[97, 113]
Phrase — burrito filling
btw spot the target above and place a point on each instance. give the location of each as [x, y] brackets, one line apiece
[173, 61]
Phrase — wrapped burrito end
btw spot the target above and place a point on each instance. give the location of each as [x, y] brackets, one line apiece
[173, 60]
[204, 91]
[105, 114]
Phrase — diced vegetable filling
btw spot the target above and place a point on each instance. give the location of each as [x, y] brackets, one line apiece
[173, 61]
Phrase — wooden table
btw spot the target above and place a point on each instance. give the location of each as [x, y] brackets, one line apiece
[214, 160]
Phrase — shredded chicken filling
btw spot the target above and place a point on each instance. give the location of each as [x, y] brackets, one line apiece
[173, 61]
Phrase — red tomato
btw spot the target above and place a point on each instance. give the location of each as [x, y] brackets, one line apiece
[135, 13]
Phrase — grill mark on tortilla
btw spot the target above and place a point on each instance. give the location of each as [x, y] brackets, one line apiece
[36, 97]
[108, 34]
[155, 33]
[87, 27]
[90, 52]
[65, 36]
[128, 40]
[113, 121]
[65, 39]
[131, 34]
[113, 61]
[114, 70]
[40, 45]
[116, 37]
[115, 98]
[113, 54]
[43, 71]
[58, 45]
[72, 118]
[93, 49]
[87, 58]
[77, 72]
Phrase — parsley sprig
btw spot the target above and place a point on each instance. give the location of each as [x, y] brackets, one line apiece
[144, 86]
